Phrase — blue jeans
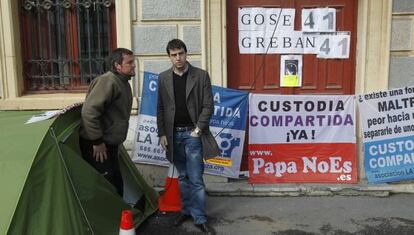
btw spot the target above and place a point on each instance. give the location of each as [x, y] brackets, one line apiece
[188, 160]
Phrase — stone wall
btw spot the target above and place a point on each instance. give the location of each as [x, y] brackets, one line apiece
[402, 47]
[154, 23]
[158, 21]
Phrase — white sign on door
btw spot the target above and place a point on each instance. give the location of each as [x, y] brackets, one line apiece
[319, 20]
[333, 46]
[271, 31]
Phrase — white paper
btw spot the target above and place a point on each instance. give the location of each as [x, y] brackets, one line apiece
[262, 42]
[271, 31]
[319, 20]
[266, 19]
[43, 116]
[334, 46]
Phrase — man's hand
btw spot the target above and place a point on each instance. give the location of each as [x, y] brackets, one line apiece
[164, 142]
[99, 152]
[196, 132]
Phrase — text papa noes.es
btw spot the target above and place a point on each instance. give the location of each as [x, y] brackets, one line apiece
[310, 165]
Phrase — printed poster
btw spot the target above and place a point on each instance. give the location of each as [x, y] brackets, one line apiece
[271, 31]
[227, 124]
[302, 139]
[387, 119]
[291, 71]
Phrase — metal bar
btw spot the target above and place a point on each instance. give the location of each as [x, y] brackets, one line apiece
[69, 52]
[98, 22]
[75, 32]
[50, 45]
[89, 41]
[109, 25]
[32, 38]
[79, 31]
[60, 43]
[40, 46]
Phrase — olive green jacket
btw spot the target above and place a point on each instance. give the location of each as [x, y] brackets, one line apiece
[106, 110]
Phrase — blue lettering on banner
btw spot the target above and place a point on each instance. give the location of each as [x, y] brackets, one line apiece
[230, 108]
[389, 160]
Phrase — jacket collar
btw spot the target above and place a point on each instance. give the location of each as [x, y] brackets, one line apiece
[185, 69]
[191, 80]
[122, 77]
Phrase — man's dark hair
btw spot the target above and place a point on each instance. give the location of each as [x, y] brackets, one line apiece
[116, 57]
[176, 44]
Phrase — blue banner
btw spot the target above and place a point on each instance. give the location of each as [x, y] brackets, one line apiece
[230, 108]
[227, 124]
[149, 94]
[389, 160]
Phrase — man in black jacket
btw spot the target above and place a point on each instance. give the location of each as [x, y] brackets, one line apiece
[185, 105]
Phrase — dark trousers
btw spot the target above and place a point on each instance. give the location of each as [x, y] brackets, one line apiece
[109, 168]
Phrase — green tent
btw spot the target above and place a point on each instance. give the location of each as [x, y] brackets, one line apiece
[47, 188]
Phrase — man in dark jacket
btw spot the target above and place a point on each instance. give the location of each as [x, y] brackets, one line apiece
[185, 105]
[105, 116]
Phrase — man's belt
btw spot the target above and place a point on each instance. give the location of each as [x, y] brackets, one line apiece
[183, 128]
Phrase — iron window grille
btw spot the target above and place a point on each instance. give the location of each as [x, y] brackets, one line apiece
[65, 43]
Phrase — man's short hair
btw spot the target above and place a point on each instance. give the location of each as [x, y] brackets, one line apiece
[116, 57]
[176, 44]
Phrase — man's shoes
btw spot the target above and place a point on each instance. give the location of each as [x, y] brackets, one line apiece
[181, 219]
[205, 229]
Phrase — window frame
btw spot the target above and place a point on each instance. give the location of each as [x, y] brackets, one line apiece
[53, 45]
[10, 70]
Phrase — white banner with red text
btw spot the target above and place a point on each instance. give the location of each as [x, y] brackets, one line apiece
[302, 139]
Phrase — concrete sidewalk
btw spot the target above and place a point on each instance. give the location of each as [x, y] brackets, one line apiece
[336, 215]
[243, 188]
[221, 186]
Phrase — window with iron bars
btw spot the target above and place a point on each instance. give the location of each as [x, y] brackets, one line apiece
[65, 43]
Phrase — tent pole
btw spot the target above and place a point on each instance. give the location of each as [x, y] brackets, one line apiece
[52, 132]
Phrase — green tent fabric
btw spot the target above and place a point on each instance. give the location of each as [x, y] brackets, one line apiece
[47, 188]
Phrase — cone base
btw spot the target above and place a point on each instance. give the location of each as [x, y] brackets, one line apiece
[127, 232]
[168, 206]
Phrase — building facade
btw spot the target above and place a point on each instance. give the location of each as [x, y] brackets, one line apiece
[382, 32]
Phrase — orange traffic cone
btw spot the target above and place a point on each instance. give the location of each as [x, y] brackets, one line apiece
[127, 224]
[170, 200]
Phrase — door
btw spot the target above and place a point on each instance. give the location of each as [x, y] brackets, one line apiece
[259, 73]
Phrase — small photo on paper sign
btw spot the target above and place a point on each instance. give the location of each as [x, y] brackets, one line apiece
[291, 71]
